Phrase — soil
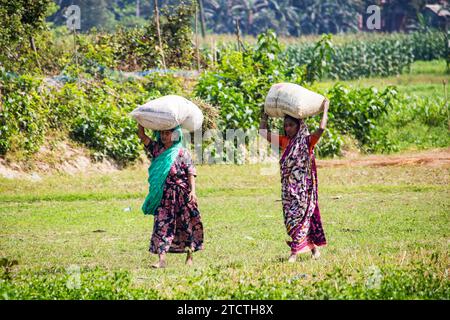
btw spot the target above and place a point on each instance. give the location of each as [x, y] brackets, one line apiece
[433, 158]
[68, 159]
[59, 157]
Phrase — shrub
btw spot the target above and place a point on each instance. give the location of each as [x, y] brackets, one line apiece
[23, 116]
[109, 132]
[242, 80]
[357, 111]
[94, 112]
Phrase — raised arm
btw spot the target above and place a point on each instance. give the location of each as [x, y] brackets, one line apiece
[264, 131]
[141, 134]
[323, 123]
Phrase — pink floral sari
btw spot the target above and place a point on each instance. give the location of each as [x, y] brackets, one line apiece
[299, 194]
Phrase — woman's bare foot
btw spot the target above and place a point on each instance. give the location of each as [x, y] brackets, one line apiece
[189, 260]
[315, 253]
[161, 263]
[292, 258]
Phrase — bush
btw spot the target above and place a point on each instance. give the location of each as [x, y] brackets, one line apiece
[94, 112]
[138, 48]
[110, 133]
[428, 45]
[358, 111]
[23, 117]
[129, 49]
[418, 123]
[242, 80]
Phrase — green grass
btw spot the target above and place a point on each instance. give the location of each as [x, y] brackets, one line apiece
[425, 79]
[418, 136]
[391, 219]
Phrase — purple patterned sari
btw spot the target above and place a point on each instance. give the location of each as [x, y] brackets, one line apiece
[299, 194]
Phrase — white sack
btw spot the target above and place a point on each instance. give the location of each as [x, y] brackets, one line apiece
[294, 100]
[168, 112]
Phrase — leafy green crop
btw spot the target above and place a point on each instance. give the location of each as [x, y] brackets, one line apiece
[378, 56]
[357, 111]
[416, 281]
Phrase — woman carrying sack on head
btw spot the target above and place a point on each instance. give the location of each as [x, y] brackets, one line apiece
[299, 183]
[172, 200]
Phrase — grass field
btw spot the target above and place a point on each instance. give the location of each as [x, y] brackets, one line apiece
[387, 229]
[425, 79]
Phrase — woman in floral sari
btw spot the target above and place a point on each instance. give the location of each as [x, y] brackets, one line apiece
[299, 184]
[172, 200]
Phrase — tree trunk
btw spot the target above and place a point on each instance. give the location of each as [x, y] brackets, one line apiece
[33, 46]
[158, 29]
[238, 34]
[447, 45]
[197, 53]
[202, 18]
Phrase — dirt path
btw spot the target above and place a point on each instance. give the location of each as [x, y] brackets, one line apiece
[439, 158]
[434, 158]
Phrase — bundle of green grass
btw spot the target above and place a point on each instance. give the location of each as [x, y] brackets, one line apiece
[210, 114]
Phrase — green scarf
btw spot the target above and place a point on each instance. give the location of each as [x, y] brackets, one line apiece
[158, 171]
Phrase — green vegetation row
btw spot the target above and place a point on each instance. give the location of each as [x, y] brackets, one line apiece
[418, 280]
[241, 80]
[93, 109]
[92, 112]
[31, 47]
[384, 56]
